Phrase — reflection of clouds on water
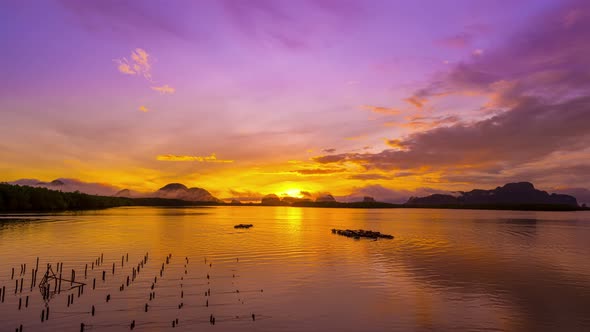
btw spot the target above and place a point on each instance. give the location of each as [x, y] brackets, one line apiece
[445, 269]
[544, 295]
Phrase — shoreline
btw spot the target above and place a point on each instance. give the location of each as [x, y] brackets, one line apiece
[341, 205]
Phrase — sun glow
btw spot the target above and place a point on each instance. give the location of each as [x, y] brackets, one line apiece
[294, 193]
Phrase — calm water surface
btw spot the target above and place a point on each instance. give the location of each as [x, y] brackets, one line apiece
[445, 270]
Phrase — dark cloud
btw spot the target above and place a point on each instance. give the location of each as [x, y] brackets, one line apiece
[330, 150]
[532, 130]
[548, 59]
[564, 175]
[539, 86]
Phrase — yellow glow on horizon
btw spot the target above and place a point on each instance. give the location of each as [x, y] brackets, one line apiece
[294, 193]
[226, 180]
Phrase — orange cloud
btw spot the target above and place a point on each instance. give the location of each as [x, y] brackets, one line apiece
[417, 101]
[140, 64]
[318, 171]
[417, 122]
[381, 110]
[354, 138]
[125, 68]
[207, 159]
[164, 89]
[395, 143]
[143, 109]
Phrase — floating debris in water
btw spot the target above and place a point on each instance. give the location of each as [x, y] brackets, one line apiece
[357, 234]
[246, 226]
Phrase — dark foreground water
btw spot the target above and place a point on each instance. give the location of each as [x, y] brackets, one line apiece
[445, 270]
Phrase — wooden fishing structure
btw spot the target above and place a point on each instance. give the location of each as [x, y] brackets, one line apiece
[51, 283]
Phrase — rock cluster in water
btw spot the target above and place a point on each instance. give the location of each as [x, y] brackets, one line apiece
[357, 234]
[243, 226]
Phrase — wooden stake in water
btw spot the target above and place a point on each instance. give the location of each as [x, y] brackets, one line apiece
[36, 269]
[32, 279]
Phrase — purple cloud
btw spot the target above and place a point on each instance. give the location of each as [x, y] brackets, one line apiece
[461, 40]
[538, 88]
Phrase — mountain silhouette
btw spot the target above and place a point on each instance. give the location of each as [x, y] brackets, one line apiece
[520, 193]
[180, 191]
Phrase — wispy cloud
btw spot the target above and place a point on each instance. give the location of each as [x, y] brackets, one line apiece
[318, 171]
[124, 67]
[460, 40]
[356, 138]
[419, 122]
[144, 109]
[164, 89]
[417, 101]
[369, 176]
[206, 159]
[140, 64]
[381, 110]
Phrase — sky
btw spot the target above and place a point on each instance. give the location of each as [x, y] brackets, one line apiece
[245, 98]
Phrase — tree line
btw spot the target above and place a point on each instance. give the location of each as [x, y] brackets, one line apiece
[26, 198]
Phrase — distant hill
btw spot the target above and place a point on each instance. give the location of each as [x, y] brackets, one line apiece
[169, 191]
[511, 194]
[182, 192]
